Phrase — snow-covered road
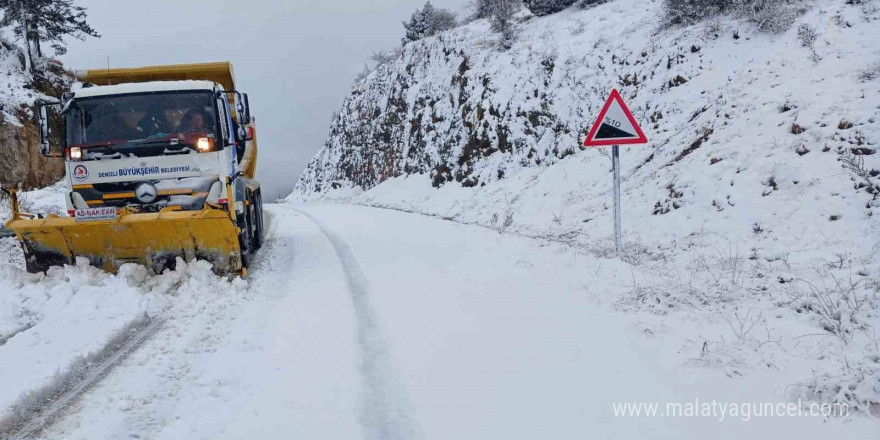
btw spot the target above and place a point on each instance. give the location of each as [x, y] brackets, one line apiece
[360, 323]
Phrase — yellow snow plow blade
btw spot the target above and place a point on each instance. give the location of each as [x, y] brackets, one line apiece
[154, 240]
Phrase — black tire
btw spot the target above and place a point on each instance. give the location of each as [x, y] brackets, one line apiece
[33, 265]
[259, 229]
[244, 239]
[41, 262]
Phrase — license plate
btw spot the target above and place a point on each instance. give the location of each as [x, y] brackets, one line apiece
[95, 214]
[148, 209]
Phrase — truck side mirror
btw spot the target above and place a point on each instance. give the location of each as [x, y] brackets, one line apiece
[245, 111]
[43, 125]
[242, 106]
[245, 133]
[226, 132]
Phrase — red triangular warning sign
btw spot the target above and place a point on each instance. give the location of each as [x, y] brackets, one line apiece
[615, 125]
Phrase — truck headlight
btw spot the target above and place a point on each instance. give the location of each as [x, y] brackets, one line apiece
[205, 145]
[76, 153]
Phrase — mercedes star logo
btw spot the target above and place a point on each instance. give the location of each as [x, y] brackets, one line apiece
[146, 193]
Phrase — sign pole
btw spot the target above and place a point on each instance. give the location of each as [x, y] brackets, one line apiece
[615, 126]
[618, 230]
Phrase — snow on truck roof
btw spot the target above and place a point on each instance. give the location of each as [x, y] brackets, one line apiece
[143, 87]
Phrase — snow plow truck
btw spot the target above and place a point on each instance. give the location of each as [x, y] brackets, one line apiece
[161, 165]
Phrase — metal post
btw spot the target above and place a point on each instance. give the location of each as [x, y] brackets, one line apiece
[13, 202]
[618, 230]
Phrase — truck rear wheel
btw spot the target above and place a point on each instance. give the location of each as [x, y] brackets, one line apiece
[259, 230]
[244, 238]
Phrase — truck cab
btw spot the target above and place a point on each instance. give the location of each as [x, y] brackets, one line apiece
[151, 146]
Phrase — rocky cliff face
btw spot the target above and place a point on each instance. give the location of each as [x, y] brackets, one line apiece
[457, 108]
[442, 109]
[20, 160]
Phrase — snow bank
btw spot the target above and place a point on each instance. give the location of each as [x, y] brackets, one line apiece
[49, 200]
[53, 326]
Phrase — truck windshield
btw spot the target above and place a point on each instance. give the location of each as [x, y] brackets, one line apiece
[140, 119]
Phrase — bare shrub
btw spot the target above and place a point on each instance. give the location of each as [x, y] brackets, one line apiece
[807, 36]
[579, 27]
[771, 15]
[547, 7]
[386, 56]
[685, 12]
[840, 307]
[743, 324]
[851, 390]
[586, 4]
[870, 73]
[508, 220]
[855, 163]
[662, 300]
[767, 15]
[506, 217]
[363, 74]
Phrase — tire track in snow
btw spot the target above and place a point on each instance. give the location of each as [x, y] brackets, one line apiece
[145, 420]
[40, 411]
[386, 413]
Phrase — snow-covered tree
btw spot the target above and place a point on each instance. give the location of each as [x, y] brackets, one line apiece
[427, 22]
[481, 8]
[502, 13]
[547, 7]
[45, 21]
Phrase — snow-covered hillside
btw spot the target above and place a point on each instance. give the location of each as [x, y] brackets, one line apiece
[754, 204]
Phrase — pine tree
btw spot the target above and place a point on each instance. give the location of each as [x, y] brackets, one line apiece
[427, 22]
[45, 21]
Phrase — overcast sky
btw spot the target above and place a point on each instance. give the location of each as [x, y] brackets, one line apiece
[295, 58]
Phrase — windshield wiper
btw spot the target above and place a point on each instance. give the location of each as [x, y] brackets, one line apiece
[146, 142]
